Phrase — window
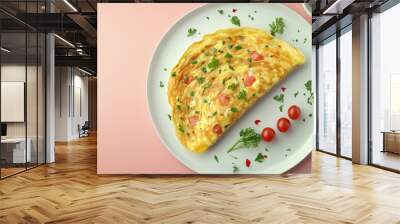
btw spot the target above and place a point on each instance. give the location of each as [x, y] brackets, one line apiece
[346, 94]
[327, 97]
[385, 89]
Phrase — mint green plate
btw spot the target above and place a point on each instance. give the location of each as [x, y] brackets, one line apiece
[287, 149]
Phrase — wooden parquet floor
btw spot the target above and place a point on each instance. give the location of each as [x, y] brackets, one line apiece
[69, 191]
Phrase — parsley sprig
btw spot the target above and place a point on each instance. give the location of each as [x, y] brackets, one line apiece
[249, 138]
[277, 26]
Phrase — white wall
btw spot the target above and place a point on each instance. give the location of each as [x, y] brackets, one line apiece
[71, 102]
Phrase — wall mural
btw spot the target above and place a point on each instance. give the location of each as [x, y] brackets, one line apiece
[229, 88]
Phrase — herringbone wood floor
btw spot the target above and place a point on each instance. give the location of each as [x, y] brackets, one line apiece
[69, 191]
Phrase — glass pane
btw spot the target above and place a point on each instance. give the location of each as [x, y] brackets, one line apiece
[327, 97]
[346, 94]
[385, 84]
[31, 100]
[13, 86]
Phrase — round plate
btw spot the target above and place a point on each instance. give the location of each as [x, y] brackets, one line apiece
[288, 149]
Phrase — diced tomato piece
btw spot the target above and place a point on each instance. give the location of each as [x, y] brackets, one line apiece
[217, 129]
[256, 56]
[223, 99]
[193, 120]
[249, 79]
[188, 79]
[248, 162]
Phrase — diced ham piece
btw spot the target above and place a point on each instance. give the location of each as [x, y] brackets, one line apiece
[188, 79]
[217, 129]
[193, 120]
[256, 56]
[249, 79]
[223, 99]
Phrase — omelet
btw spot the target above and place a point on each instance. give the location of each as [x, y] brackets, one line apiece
[220, 77]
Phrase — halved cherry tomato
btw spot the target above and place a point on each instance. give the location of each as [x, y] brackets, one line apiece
[283, 124]
[223, 99]
[268, 134]
[294, 112]
[217, 129]
[249, 79]
[188, 79]
[193, 120]
[256, 56]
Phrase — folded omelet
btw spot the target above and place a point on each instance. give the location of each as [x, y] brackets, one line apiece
[220, 77]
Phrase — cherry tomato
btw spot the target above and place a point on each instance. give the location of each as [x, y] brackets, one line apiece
[217, 129]
[255, 56]
[268, 134]
[294, 112]
[283, 124]
[249, 79]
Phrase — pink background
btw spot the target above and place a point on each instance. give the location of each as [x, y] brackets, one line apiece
[127, 36]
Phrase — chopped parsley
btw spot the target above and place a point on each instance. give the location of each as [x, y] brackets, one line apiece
[221, 11]
[178, 106]
[281, 108]
[235, 169]
[232, 86]
[173, 74]
[191, 32]
[169, 116]
[204, 69]
[295, 94]
[235, 20]
[277, 26]
[260, 158]
[310, 98]
[181, 129]
[216, 158]
[234, 109]
[192, 93]
[213, 64]
[305, 40]
[165, 69]
[279, 98]
[194, 62]
[200, 79]
[238, 47]
[231, 68]
[227, 55]
[230, 46]
[161, 84]
[215, 113]
[242, 94]
[205, 100]
[207, 17]
[207, 85]
[310, 114]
